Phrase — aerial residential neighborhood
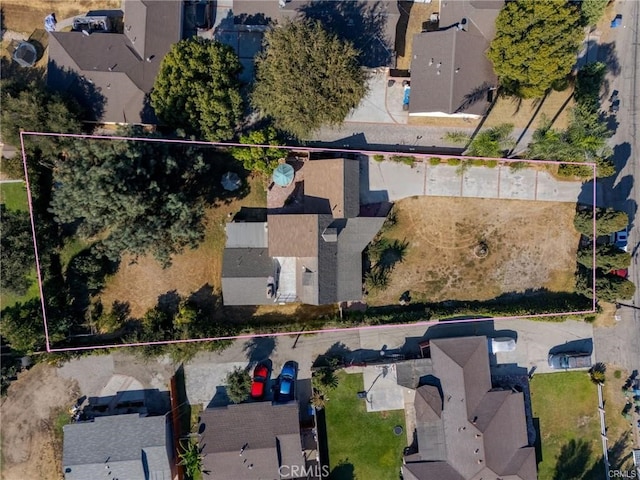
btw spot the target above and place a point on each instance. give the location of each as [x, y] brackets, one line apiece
[319, 239]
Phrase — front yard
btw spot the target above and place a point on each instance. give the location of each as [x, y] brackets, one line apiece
[529, 246]
[361, 445]
[566, 405]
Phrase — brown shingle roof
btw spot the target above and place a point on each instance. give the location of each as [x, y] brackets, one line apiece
[293, 235]
[270, 434]
[332, 186]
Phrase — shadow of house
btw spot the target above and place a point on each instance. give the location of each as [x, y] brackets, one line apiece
[83, 90]
[120, 66]
[451, 75]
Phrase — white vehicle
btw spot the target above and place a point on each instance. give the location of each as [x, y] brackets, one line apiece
[502, 344]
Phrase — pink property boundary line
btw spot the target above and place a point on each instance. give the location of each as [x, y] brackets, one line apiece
[290, 148]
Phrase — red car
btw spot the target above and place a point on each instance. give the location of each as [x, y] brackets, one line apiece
[621, 272]
[258, 385]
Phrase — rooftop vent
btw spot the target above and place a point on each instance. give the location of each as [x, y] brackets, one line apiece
[330, 234]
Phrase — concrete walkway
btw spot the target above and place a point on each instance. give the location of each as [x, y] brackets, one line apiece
[391, 181]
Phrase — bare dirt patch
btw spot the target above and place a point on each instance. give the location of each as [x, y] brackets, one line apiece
[29, 446]
[24, 16]
[140, 282]
[530, 245]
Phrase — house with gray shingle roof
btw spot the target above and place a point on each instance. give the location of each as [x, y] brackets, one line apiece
[465, 429]
[112, 73]
[313, 257]
[131, 447]
[251, 441]
[450, 73]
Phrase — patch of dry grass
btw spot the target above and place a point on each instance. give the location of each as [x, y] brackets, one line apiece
[444, 122]
[140, 282]
[25, 17]
[520, 112]
[418, 13]
[618, 429]
[443, 233]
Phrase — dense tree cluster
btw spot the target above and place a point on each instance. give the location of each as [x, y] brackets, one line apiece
[607, 221]
[136, 197]
[259, 159]
[592, 10]
[535, 45]
[307, 77]
[197, 89]
[16, 254]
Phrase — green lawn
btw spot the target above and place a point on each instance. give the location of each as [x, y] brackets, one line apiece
[14, 196]
[567, 406]
[361, 445]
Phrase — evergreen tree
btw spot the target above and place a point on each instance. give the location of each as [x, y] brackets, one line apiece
[607, 221]
[608, 257]
[16, 255]
[238, 385]
[307, 78]
[535, 45]
[197, 89]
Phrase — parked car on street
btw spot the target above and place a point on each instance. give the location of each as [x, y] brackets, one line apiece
[620, 239]
[621, 272]
[568, 360]
[286, 390]
[259, 382]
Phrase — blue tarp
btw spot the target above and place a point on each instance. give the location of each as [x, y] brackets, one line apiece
[407, 90]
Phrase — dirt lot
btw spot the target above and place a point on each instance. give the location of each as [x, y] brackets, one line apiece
[29, 446]
[531, 245]
[141, 282]
[21, 16]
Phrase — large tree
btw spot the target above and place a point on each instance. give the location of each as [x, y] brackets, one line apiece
[535, 45]
[307, 77]
[608, 257]
[238, 385]
[607, 221]
[197, 89]
[16, 254]
[137, 197]
[592, 10]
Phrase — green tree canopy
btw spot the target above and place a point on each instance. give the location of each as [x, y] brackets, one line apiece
[136, 197]
[238, 385]
[197, 89]
[592, 10]
[609, 287]
[607, 221]
[307, 78]
[608, 257]
[16, 255]
[259, 159]
[22, 326]
[535, 45]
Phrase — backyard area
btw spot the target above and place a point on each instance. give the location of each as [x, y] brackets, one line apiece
[142, 281]
[349, 424]
[566, 405]
[478, 249]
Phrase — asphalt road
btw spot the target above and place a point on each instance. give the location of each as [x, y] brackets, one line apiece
[621, 344]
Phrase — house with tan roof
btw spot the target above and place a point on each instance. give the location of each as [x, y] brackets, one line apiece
[111, 72]
[312, 257]
[465, 428]
[451, 75]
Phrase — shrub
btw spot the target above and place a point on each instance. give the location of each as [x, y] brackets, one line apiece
[617, 374]
[435, 161]
[515, 166]
[491, 163]
[378, 157]
[597, 373]
[454, 162]
[406, 159]
[478, 162]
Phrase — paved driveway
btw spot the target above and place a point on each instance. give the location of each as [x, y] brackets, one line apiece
[391, 181]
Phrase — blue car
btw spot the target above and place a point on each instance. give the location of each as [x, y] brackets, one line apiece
[286, 390]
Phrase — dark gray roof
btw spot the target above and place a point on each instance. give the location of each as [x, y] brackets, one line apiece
[410, 371]
[246, 234]
[121, 446]
[431, 471]
[466, 74]
[464, 92]
[479, 432]
[269, 432]
[245, 274]
[115, 65]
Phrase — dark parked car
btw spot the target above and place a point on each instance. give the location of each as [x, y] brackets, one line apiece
[286, 391]
[258, 385]
[567, 360]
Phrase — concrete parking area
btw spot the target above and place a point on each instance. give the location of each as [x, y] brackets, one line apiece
[391, 181]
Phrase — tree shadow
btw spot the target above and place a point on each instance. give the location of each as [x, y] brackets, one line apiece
[259, 349]
[401, 27]
[344, 470]
[619, 456]
[88, 96]
[369, 26]
[572, 460]
[205, 299]
[607, 54]
[168, 302]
